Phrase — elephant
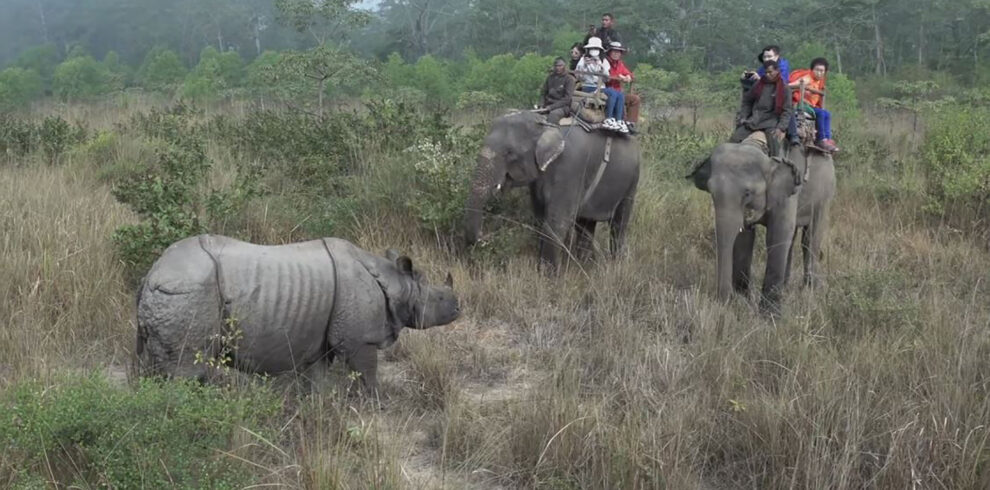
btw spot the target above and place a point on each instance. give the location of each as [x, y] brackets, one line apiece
[575, 179]
[749, 188]
[281, 308]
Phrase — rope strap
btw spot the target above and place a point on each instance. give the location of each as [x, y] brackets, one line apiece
[601, 171]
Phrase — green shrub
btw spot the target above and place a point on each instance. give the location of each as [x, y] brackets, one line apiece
[40, 59]
[56, 136]
[85, 432]
[956, 157]
[80, 77]
[18, 87]
[17, 137]
[161, 70]
[440, 184]
[171, 194]
[117, 73]
[216, 73]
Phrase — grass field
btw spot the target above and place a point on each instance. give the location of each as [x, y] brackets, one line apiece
[622, 374]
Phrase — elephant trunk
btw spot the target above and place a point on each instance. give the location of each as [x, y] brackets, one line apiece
[487, 181]
[728, 224]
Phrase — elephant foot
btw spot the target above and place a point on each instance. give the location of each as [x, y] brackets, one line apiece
[770, 306]
[813, 282]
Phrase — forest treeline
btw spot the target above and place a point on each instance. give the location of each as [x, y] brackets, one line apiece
[884, 38]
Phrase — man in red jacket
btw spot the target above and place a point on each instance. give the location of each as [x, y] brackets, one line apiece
[619, 74]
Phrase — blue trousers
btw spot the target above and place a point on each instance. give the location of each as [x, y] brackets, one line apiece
[616, 105]
[823, 122]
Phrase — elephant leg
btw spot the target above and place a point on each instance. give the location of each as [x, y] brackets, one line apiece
[553, 238]
[364, 360]
[742, 259]
[539, 209]
[812, 239]
[790, 255]
[619, 225]
[584, 236]
[780, 232]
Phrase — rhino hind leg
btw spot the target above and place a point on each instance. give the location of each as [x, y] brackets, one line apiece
[176, 331]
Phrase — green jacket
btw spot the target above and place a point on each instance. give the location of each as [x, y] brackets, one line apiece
[757, 113]
[556, 92]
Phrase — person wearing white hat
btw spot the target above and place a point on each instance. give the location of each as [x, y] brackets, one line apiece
[619, 73]
[590, 70]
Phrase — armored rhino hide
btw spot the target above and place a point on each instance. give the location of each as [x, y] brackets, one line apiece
[273, 309]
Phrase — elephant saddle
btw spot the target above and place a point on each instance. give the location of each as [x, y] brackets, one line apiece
[589, 107]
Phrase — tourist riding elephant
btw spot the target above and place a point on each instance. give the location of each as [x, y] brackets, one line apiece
[749, 188]
[281, 308]
[576, 179]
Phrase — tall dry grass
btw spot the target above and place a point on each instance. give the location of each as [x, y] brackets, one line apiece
[622, 374]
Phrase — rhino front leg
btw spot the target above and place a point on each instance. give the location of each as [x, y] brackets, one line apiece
[364, 361]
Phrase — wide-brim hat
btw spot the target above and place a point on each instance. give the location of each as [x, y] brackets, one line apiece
[616, 46]
[594, 43]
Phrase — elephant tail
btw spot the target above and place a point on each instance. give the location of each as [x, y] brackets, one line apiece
[701, 173]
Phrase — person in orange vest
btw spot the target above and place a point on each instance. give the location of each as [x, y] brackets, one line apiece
[619, 74]
[814, 89]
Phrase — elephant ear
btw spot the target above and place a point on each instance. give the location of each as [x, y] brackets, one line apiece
[549, 147]
[781, 185]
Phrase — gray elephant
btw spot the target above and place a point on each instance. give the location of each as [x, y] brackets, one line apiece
[576, 179]
[747, 189]
[278, 309]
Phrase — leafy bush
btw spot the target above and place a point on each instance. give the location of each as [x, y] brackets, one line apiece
[956, 157]
[169, 194]
[17, 137]
[161, 69]
[80, 77]
[117, 73]
[215, 73]
[42, 60]
[56, 136]
[18, 86]
[440, 182]
[85, 432]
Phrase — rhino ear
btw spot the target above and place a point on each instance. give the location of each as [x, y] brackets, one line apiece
[449, 282]
[404, 264]
[391, 254]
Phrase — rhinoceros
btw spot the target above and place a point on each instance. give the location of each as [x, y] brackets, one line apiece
[282, 308]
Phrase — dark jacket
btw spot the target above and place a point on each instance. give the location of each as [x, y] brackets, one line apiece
[607, 35]
[758, 112]
[556, 92]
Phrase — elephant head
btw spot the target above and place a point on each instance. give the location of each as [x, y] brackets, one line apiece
[518, 148]
[744, 184]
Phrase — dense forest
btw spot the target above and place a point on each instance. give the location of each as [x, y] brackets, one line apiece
[862, 36]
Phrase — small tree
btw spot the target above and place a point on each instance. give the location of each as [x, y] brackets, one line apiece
[18, 86]
[305, 74]
[324, 20]
[215, 73]
[161, 69]
[80, 77]
[916, 98]
[42, 59]
[117, 73]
